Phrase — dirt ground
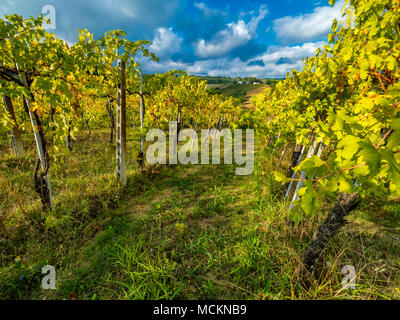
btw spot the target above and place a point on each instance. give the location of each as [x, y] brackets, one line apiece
[247, 104]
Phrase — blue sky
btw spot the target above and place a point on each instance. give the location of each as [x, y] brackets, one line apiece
[264, 38]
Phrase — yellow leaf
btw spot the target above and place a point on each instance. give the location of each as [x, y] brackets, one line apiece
[71, 77]
[34, 106]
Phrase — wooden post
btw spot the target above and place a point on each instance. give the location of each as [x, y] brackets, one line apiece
[141, 111]
[112, 120]
[40, 143]
[294, 174]
[222, 123]
[300, 184]
[320, 150]
[216, 128]
[140, 159]
[68, 137]
[179, 120]
[282, 155]
[209, 127]
[87, 125]
[277, 139]
[121, 126]
[271, 138]
[194, 135]
[15, 134]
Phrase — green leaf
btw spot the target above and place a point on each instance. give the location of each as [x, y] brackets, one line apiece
[396, 124]
[280, 177]
[309, 200]
[371, 156]
[345, 185]
[348, 147]
[394, 140]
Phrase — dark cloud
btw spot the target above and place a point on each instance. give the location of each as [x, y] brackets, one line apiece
[256, 63]
[284, 60]
[139, 18]
[250, 50]
[195, 26]
[204, 37]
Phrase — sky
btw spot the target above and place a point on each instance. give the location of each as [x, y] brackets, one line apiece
[258, 38]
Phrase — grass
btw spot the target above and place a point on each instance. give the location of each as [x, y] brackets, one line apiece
[177, 232]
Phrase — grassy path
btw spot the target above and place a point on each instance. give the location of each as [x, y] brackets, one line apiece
[181, 232]
[185, 236]
[252, 93]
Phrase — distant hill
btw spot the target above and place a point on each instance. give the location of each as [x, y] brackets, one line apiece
[236, 87]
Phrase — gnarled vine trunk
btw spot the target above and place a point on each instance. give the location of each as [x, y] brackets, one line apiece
[328, 229]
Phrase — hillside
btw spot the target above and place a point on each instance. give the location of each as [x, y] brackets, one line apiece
[239, 88]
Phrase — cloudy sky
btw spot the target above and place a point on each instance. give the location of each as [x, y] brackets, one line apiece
[261, 38]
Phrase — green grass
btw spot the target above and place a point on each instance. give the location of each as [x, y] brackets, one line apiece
[176, 232]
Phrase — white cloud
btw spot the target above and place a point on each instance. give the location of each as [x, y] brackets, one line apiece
[235, 35]
[307, 27]
[206, 10]
[139, 18]
[291, 53]
[142, 18]
[166, 42]
[253, 24]
[277, 62]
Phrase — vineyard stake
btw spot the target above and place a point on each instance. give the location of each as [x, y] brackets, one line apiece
[277, 139]
[112, 120]
[37, 130]
[40, 143]
[300, 184]
[193, 136]
[141, 111]
[179, 124]
[294, 174]
[121, 126]
[282, 155]
[68, 136]
[14, 132]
